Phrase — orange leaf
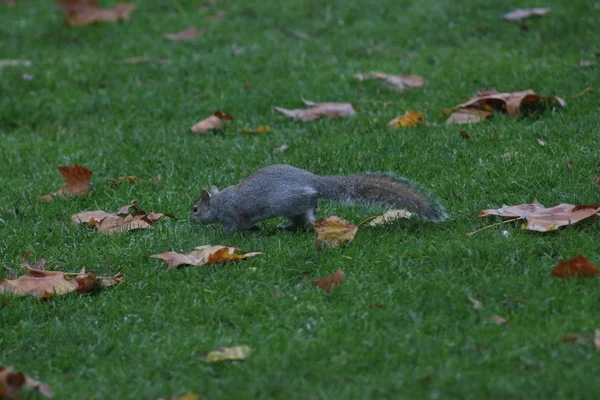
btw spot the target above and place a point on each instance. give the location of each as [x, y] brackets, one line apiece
[317, 110]
[330, 282]
[410, 119]
[11, 384]
[333, 232]
[579, 266]
[211, 123]
[202, 255]
[86, 12]
[78, 182]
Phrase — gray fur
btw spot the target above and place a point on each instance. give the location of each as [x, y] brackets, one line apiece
[286, 191]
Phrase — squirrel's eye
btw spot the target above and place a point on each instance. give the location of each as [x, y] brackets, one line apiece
[195, 209]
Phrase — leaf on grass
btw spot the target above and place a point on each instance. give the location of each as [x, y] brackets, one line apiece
[333, 232]
[9, 4]
[597, 339]
[78, 182]
[570, 166]
[284, 147]
[202, 255]
[120, 221]
[86, 12]
[410, 119]
[477, 305]
[45, 284]
[509, 154]
[578, 266]
[396, 82]
[236, 353]
[520, 14]
[542, 219]
[390, 216]
[14, 63]
[541, 142]
[258, 129]
[575, 338]
[330, 282]
[468, 115]
[498, 320]
[186, 34]
[215, 121]
[317, 110]
[597, 179]
[11, 384]
[509, 102]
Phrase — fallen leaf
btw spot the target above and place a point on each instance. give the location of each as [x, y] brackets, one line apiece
[215, 121]
[542, 219]
[187, 396]
[317, 110]
[541, 142]
[469, 115]
[86, 12]
[202, 255]
[258, 129]
[578, 266]
[597, 339]
[510, 102]
[11, 384]
[575, 338]
[597, 179]
[333, 232]
[477, 305]
[330, 282]
[14, 63]
[389, 217]
[46, 284]
[120, 221]
[410, 119]
[509, 154]
[78, 182]
[570, 166]
[284, 147]
[498, 320]
[520, 14]
[186, 34]
[396, 82]
[465, 135]
[236, 353]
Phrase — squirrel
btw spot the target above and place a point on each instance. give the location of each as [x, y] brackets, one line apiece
[285, 191]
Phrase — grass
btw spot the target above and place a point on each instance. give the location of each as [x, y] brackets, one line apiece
[145, 339]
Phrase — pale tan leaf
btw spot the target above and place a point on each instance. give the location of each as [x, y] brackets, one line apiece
[236, 353]
[468, 115]
[520, 14]
[477, 305]
[213, 122]
[498, 320]
[333, 232]
[390, 216]
[89, 217]
[186, 34]
[396, 82]
[318, 110]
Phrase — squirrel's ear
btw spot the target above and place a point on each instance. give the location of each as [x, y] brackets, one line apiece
[214, 190]
[205, 197]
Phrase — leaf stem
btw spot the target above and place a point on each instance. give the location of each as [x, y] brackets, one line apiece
[489, 226]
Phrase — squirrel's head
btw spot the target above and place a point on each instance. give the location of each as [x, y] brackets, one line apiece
[202, 212]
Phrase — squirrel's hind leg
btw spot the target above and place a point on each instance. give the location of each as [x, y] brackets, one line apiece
[298, 222]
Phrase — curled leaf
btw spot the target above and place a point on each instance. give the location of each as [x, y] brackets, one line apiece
[317, 110]
[509, 102]
[213, 122]
[333, 232]
[11, 384]
[78, 182]
[329, 282]
[390, 216]
[236, 353]
[396, 82]
[202, 255]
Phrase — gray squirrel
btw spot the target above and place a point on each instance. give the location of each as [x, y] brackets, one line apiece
[284, 191]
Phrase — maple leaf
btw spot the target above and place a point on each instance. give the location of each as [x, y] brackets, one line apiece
[468, 115]
[215, 121]
[333, 232]
[329, 282]
[389, 216]
[78, 182]
[86, 12]
[410, 119]
[317, 110]
[235, 353]
[12, 382]
[542, 219]
[46, 284]
[397, 82]
[578, 266]
[509, 102]
[202, 255]
[520, 14]
[121, 221]
[186, 34]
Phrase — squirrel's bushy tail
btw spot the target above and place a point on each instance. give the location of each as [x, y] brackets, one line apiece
[382, 190]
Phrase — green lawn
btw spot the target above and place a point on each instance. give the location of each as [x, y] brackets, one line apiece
[145, 339]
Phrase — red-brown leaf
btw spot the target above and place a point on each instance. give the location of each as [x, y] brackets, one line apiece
[328, 283]
[579, 266]
[78, 182]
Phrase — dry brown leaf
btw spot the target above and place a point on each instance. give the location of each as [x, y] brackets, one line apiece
[410, 119]
[498, 320]
[258, 129]
[397, 82]
[579, 266]
[511, 102]
[78, 182]
[390, 216]
[236, 353]
[509, 154]
[477, 305]
[317, 110]
[333, 232]
[86, 12]
[186, 34]
[330, 282]
[14, 63]
[215, 121]
[283, 148]
[542, 219]
[12, 382]
[46, 284]
[468, 115]
[575, 338]
[202, 255]
[520, 14]
[121, 221]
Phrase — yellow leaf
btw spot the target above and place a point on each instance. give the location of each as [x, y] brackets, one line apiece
[409, 120]
[236, 353]
[333, 232]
